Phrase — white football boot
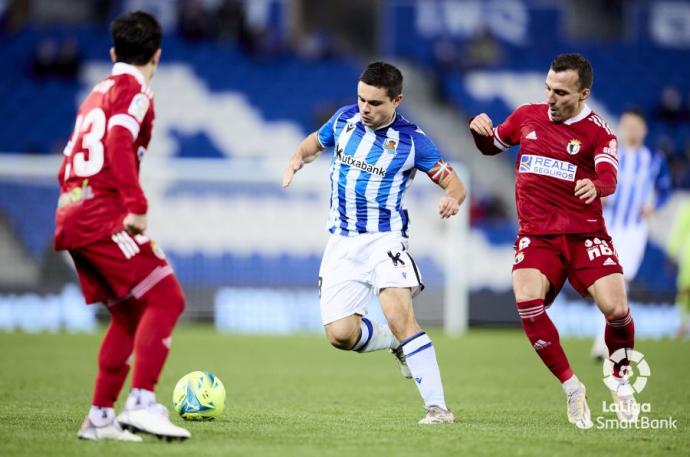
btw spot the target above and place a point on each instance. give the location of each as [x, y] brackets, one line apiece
[437, 415]
[578, 410]
[111, 431]
[627, 408]
[154, 420]
[400, 356]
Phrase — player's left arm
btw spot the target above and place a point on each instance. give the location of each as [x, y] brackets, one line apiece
[606, 168]
[132, 112]
[428, 159]
[449, 205]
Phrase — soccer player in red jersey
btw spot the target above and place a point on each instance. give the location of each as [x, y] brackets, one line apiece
[101, 221]
[567, 161]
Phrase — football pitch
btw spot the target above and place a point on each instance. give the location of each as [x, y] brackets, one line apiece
[296, 395]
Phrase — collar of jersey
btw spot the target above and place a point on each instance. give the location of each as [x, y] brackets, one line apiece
[121, 68]
[395, 117]
[586, 111]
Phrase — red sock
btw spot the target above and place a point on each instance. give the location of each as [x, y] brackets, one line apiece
[620, 333]
[116, 348]
[162, 305]
[544, 337]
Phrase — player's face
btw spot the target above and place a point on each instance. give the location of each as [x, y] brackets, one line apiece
[564, 95]
[632, 130]
[375, 107]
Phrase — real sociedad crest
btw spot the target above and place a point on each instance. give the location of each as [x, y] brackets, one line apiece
[573, 147]
[390, 145]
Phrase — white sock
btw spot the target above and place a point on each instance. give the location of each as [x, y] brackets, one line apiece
[374, 337]
[140, 398]
[571, 385]
[421, 359]
[100, 417]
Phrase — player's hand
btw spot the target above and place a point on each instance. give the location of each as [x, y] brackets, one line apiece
[585, 190]
[483, 125]
[135, 223]
[296, 163]
[448, 206]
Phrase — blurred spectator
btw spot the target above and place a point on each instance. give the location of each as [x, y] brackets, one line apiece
[53, 59]
[481, 51]
[319, 45]
[670, 108]
[197, 20]
[446, 54]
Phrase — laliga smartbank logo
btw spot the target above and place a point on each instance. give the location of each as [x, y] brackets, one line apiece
[634, 372]
[633, 381]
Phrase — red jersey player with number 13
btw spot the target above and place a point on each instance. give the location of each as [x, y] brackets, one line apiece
[567, 161]
[101, 220]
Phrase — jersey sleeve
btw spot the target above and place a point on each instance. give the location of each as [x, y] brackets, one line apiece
[426, 154]
[128, 108]
[128, 111]
[326, 134]
[606, 162]
[507, 134]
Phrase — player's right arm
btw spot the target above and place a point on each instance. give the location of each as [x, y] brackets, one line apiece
[312, 146]
[307, 151]
[491, 141]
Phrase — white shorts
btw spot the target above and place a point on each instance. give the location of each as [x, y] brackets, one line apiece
[630, 243]
[354, 267]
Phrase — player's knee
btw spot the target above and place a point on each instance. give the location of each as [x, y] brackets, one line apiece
[112, 362]
[170, 296]
[526, 294]
[615, 308]
[340, 337]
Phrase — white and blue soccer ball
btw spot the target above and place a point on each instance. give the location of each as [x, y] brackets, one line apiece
[199, 395]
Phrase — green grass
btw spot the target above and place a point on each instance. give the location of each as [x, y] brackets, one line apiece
[297, 396]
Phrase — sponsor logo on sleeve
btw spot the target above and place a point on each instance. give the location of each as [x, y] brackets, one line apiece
[612, 148]
[138, 107]
[547, 167]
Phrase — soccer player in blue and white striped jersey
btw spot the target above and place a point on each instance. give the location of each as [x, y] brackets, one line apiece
[376, 152]
[644, 186]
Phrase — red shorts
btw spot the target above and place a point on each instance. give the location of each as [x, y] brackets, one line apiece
[119, 267]
[580, 258]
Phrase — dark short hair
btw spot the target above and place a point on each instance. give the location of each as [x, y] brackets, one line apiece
[577, 63]
[136, 37]
[633, 111]
[385, 76]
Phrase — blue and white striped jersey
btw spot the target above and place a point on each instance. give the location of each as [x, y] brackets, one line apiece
[643, 179]
[370, 171]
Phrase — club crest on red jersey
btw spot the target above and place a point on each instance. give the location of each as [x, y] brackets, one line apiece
[573, 147]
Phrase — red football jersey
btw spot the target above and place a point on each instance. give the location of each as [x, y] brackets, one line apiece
[552, 157]
[99, 175]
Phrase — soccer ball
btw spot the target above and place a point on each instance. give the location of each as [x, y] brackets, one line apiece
[199, 395]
